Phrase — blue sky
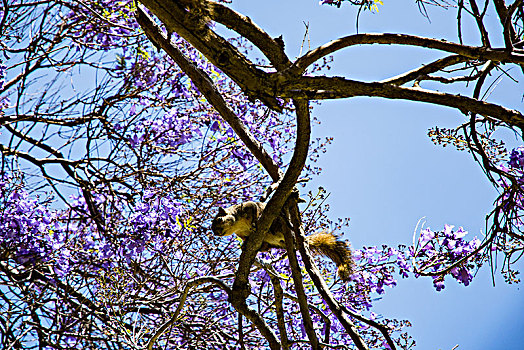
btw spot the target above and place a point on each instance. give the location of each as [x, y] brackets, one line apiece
[385, 173]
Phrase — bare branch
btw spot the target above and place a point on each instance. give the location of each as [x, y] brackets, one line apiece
[336, 87]
[477, 53]
[195, 282]
[425, 69]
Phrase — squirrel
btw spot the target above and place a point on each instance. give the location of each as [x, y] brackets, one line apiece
[240, 219]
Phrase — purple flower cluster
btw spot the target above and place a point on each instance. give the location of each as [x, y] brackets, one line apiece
[511, 201]
[4, 100]
[173, 129]
[29, 231]
[516, 159]
[152, 222]
[144, 70]
[108, 30]
[176, 115]
[180, 125]
[377, 269]
[436, 251]
[435, 254]
[3, 71]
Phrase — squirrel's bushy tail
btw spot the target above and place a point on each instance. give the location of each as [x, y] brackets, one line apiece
[328, 245]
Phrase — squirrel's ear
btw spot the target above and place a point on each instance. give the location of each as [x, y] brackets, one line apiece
[221, 211]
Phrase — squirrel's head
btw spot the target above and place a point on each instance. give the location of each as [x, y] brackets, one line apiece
[222, 223]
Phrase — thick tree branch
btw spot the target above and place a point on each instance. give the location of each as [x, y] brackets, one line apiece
[206, 86]
[289, 84]
[296, 273]
[337, 87]
[472, 52]
[244, 26]
[279, 309]
[190, 23]
[505, 21]
[273, 208]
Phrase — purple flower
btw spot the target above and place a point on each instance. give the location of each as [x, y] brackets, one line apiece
[136, 140]
[3, 70]
[132, 110]
[460, 233]
[438, 283]
[516, 159]
[426, 235]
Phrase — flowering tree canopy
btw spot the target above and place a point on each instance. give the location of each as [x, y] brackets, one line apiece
[125, 125]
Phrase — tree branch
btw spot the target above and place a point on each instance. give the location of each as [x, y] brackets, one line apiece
[273, 208]
[190, 23]
[279, 310]
[206, 86]
[472, 52]
[320, 283]
[338, 87]
[244, 26]
[195, 282]
[432, 67]
[296, 273]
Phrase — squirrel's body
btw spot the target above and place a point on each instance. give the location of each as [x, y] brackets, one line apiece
[239, 219]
